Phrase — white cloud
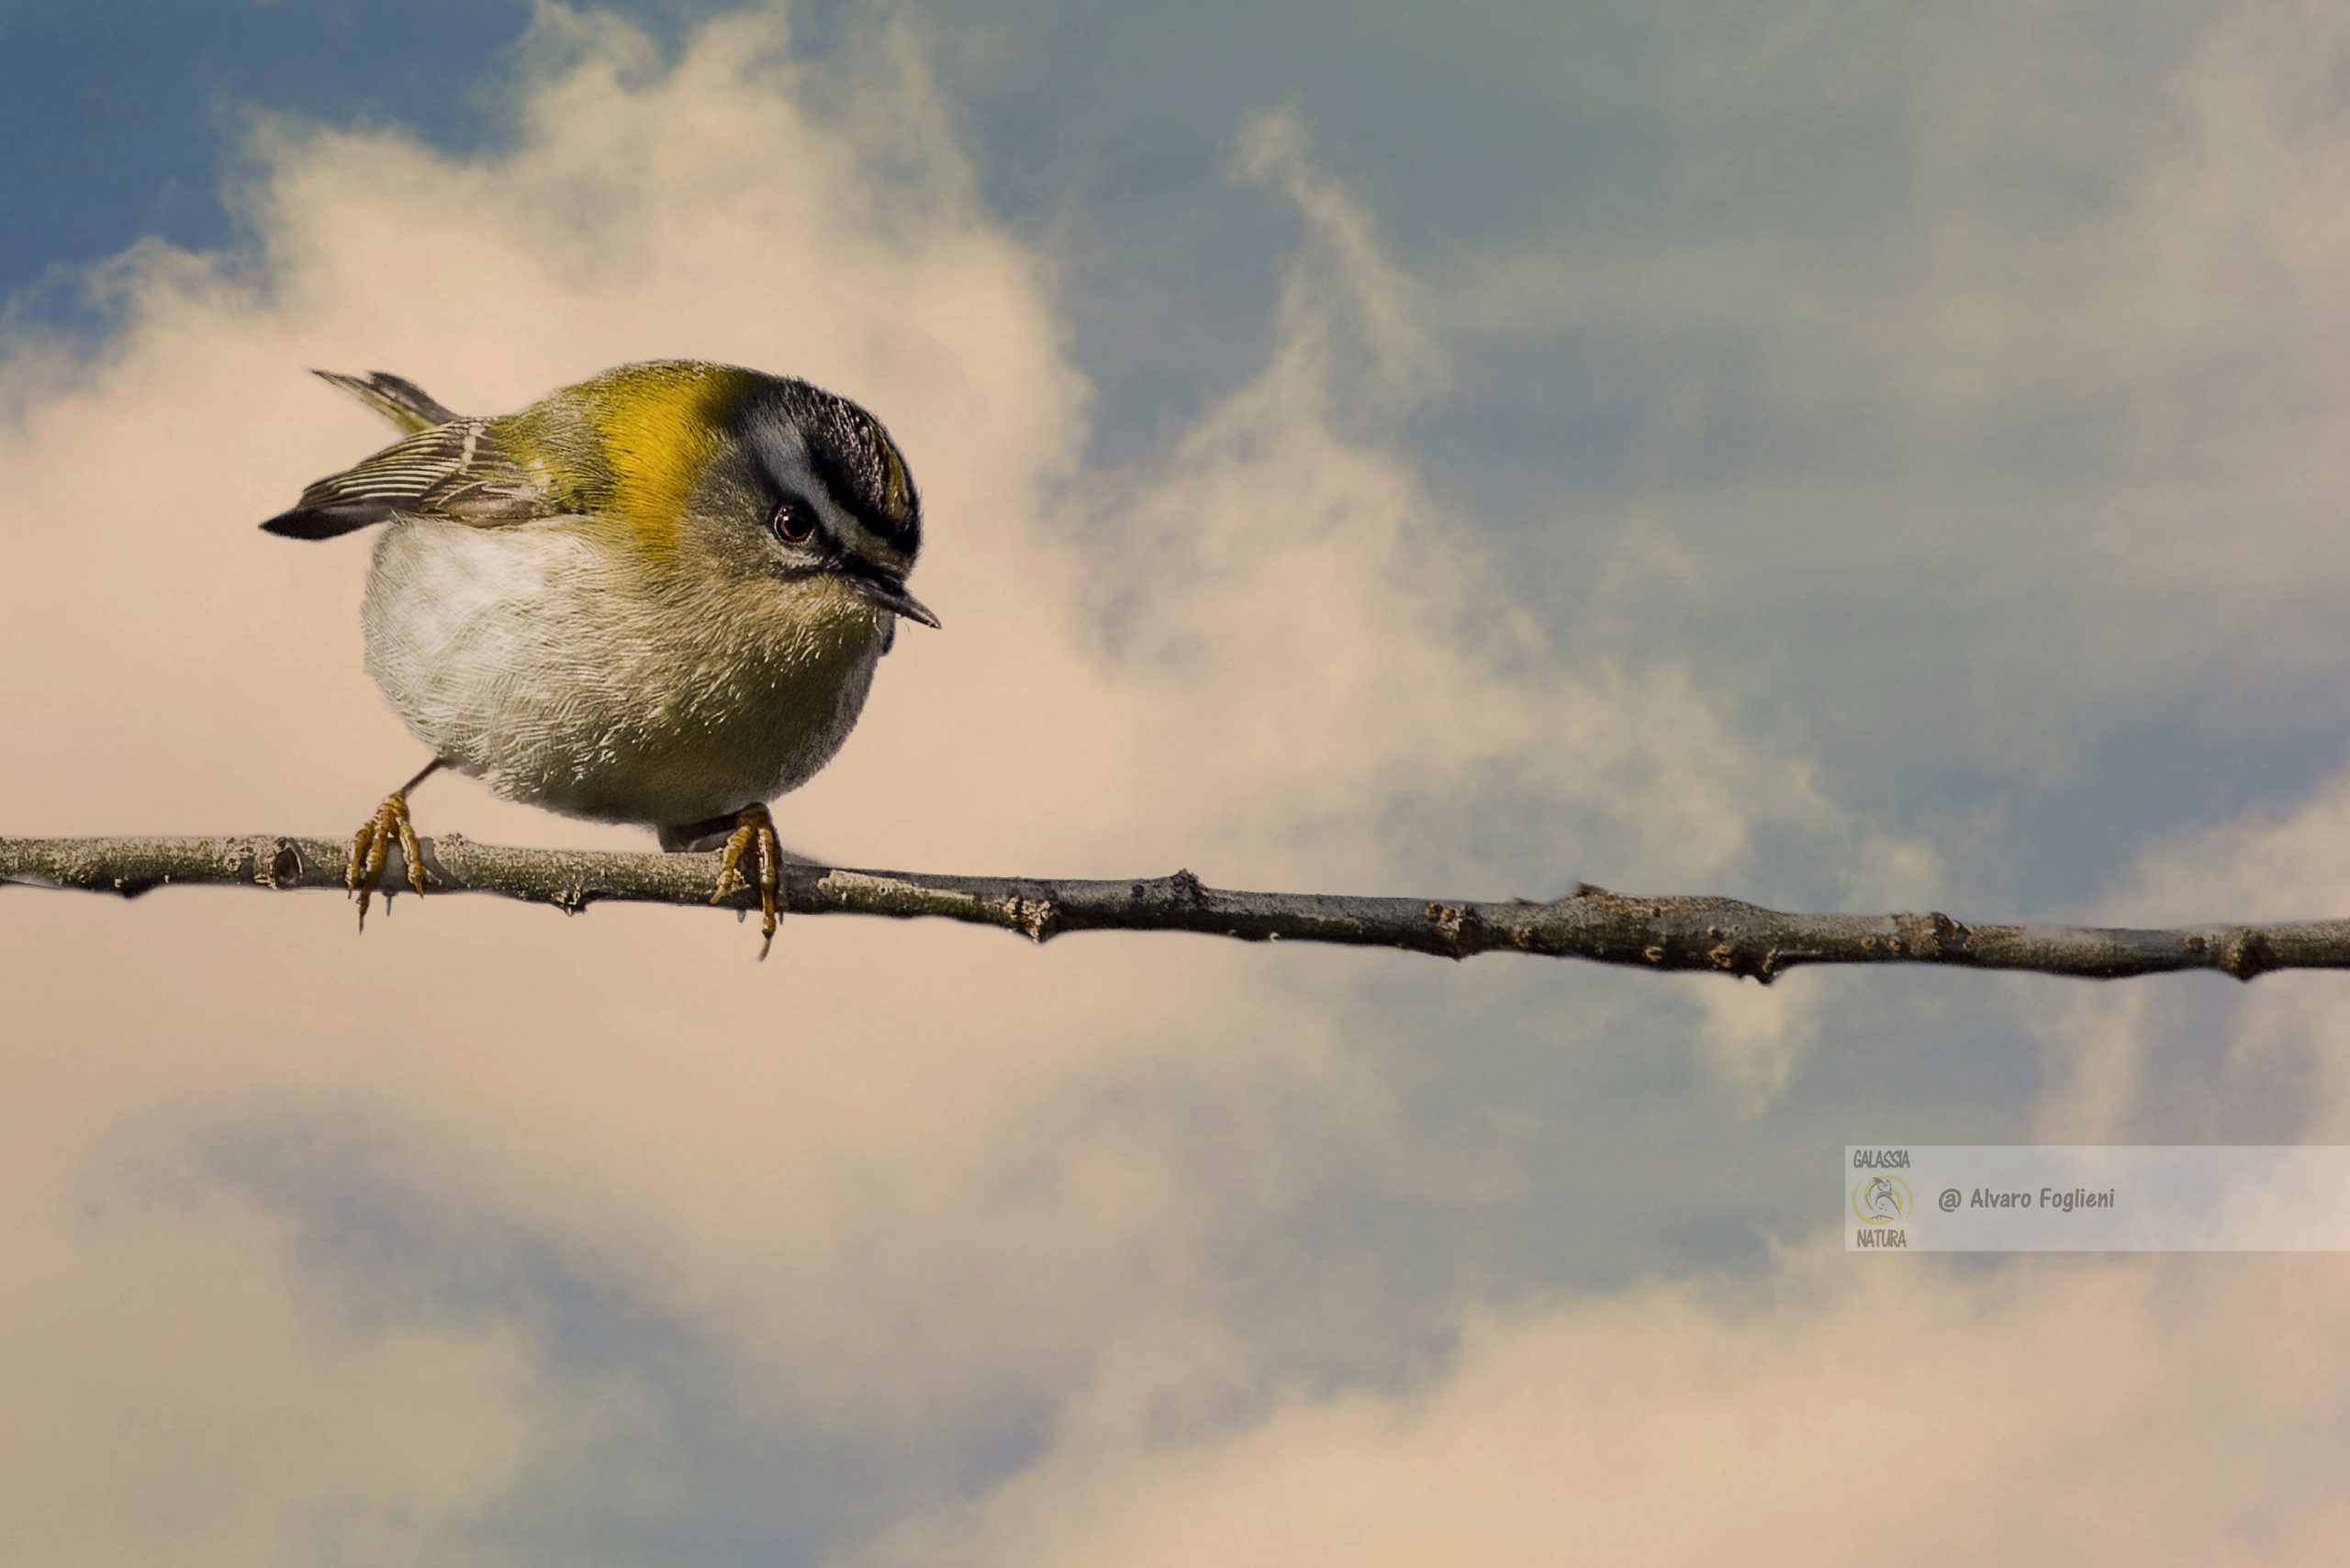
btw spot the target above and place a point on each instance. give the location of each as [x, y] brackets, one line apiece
[925, 1193]
[2039, 1414]
[171, 1389]
[902, 1183]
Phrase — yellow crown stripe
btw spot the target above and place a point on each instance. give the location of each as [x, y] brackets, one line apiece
[660, 425]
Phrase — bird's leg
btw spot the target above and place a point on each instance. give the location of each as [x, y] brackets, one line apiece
[372, 845]
[754, 837]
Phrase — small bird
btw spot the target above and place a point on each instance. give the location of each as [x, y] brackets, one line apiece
[656, 597]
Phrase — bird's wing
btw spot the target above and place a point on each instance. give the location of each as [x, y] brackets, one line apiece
[458, 470]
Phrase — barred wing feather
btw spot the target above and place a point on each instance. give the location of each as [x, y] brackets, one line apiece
[455, 470]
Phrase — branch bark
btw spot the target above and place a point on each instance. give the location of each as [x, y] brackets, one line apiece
[1717, 934]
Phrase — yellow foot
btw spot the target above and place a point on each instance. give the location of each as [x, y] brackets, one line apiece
[372, 845]
[753, 838]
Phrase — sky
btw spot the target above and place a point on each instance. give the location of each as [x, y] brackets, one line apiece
[1855, 456]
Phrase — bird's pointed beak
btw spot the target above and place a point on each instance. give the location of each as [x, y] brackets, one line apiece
[891, 596]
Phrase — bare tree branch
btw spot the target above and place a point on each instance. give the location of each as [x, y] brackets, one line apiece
[1719, 934]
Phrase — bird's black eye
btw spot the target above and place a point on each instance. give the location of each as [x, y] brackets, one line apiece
[793, 521]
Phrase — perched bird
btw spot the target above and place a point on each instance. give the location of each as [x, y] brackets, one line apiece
[656, 597]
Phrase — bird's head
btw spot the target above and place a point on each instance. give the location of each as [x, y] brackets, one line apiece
[714, 468]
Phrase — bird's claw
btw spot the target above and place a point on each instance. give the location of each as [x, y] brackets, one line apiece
[371, 846]
[753, 839]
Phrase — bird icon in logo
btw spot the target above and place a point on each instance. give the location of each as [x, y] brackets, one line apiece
[1882, 1200]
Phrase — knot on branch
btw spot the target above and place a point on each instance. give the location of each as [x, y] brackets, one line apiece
[1037, 918]
[2246, 955]
[1457, 928]
[1951, 938]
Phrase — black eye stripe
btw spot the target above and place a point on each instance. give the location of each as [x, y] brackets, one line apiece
[856, 479]
[812, 445]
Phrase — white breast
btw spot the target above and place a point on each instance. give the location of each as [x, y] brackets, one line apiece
[522, 656]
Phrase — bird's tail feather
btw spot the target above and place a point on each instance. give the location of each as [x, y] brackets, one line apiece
[396, 398]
